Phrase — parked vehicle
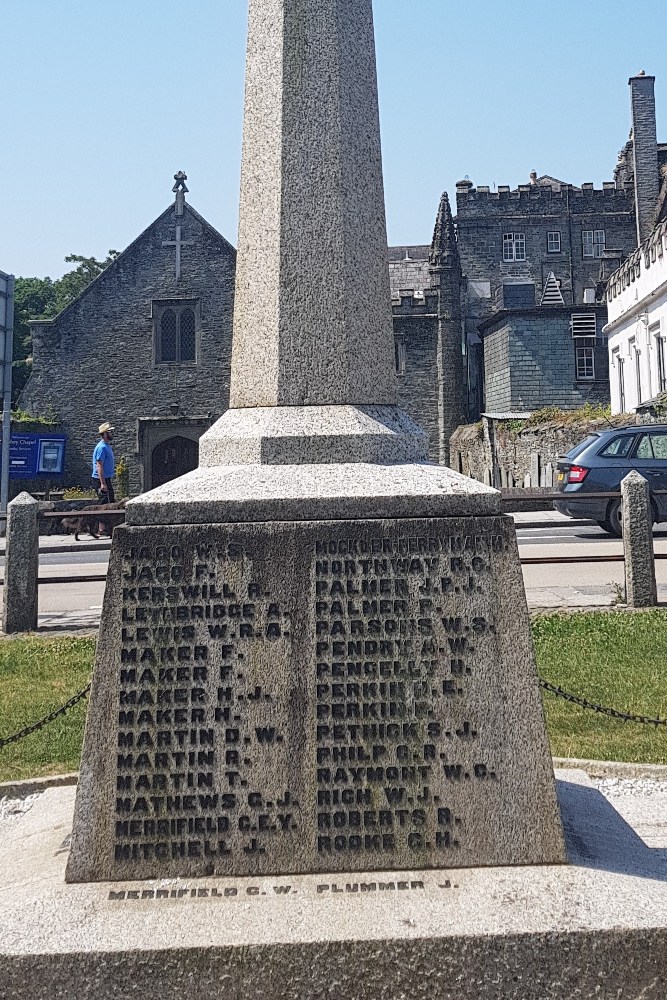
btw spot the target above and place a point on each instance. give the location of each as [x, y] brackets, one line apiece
[599, 463]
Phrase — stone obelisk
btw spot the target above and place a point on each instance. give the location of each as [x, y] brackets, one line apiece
[313, 376]
[315, 650]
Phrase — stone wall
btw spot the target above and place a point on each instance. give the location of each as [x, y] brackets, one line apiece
[535, 210]
[507, 453]
[409, 269]
[426, 290]
[416, 333]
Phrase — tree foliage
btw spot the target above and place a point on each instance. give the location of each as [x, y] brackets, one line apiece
[43, 298]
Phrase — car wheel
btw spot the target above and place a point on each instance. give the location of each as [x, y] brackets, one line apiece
[613, 524]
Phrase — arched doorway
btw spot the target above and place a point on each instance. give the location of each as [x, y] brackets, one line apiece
[172, 458]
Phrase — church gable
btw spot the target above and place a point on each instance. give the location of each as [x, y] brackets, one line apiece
[150, 337]
[174, 253]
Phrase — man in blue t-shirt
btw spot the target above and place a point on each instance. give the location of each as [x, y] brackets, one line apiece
[104, 467]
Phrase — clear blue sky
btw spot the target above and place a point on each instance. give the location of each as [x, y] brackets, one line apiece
[101, 103]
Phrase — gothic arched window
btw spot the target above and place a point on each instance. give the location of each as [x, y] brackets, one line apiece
[187, 334]
[168, 336]
[175, 332]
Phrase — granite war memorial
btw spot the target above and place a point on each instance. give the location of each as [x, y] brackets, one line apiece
[314, 653]
[315, 760]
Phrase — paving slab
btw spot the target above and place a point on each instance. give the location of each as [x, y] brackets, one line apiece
[596, 927]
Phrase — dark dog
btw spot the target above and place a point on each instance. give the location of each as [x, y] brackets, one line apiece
[90, 521]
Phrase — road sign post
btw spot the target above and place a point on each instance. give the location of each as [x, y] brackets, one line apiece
[7, 347]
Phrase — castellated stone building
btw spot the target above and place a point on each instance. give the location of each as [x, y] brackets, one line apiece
[531, 259]
[534, 260]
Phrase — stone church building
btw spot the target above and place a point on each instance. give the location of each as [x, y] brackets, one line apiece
[146, 346]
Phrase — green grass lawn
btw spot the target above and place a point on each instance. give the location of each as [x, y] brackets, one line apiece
[617, 659]
[36, 676]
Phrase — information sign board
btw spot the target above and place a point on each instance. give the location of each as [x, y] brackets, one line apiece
[36, 455]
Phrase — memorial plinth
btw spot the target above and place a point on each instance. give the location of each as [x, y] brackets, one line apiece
[315, 652]
[316, 696]
[592, 929]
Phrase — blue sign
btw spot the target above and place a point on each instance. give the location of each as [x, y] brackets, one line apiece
[34, 455]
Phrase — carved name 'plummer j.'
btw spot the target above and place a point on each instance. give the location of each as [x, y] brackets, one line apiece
[315, 652]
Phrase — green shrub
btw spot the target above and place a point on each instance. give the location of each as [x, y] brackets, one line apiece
[77, 493]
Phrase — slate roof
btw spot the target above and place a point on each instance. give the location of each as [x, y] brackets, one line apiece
[413, 253]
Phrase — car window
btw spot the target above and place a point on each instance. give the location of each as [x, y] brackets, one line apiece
[644, 449]
[578, 448]
[656, 447]
[619, 447]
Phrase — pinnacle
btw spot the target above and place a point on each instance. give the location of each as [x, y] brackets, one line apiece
[443, 247]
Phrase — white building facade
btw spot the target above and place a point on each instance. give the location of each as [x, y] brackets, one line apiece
[637, 326]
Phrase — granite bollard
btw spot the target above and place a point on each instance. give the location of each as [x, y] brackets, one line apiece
[21, 565]
[640, 583]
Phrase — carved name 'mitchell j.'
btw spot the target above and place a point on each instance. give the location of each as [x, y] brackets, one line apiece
[314, 653]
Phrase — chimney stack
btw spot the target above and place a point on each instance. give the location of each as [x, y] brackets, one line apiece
[645, 152]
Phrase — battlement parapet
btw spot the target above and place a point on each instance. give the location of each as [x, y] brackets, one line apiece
[542, 192]
[415, 302]
[537, 199]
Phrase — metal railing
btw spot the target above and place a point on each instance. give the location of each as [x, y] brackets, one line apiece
[537, 495]
[99, 515]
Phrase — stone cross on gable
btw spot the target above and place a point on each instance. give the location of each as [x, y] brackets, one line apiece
[180, 178]
[178, 243]
[180, 189]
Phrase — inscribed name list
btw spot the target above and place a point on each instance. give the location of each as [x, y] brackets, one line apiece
[346, 696]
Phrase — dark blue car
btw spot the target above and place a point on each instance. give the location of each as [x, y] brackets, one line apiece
[599, 464]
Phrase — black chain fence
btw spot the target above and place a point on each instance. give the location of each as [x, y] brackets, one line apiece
[559, 692]
[613, 713]
[27, 730]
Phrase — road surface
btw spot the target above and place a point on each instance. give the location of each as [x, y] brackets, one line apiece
[547, 585]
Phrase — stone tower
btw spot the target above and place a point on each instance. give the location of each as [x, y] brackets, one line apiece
[445, 267]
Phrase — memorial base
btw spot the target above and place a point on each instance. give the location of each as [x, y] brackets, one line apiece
[596, 928]
[314, 696]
